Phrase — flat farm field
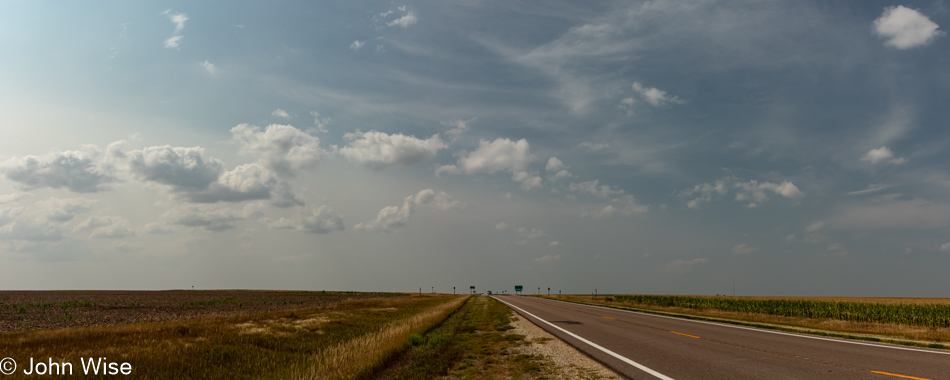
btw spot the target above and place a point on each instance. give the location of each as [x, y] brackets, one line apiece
[225, 334]
[915, 321]
[31, 310]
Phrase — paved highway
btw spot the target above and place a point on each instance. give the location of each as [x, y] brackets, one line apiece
[646, 346]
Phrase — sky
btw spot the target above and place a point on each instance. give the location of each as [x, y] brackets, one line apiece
[659, 147]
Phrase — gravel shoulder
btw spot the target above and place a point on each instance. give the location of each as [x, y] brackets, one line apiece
[569, 362]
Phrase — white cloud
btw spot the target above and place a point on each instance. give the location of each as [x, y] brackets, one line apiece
[592, 147]
[683, 266]
[501, 226]
[752, 191]
[246, 182]
[439, 200]
[12, 197]
[756, 191]
[210, 218]
[79, 171]
[590, 187]
[41, 221]
[814, 226]
[789, 239]
[501, 154]
[391, 218]
[184, 169]
[837, 249]
[886, 212]
[561, 174]
[882, 154]
[530, 233]
[283, 149]
[905, 28]
[320, 124]
[108, 227]
[378, 150]
[458, 128]
[210, 67]
[554, 243]
[547, 258]
[179, 20]
[280, 113]
[320, 220]
[872, 188]
[654, 96]
[173, 41]
[356, 45]
[405, 21]
[945, 247]
[554, 164]
[744, 249]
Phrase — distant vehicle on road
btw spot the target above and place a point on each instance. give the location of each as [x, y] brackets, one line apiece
[489, 292]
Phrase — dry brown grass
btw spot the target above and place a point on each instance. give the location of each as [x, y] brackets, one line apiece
[278, 344]
[355, 357]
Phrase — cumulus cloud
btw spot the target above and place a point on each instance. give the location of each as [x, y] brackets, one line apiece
[554, 164]
[319, 220]
[458, 128]
[80, 171]
[209, 67]
[283, 149]
[591, 187]
[654, 96]
[905, 28]
[683, 266]
[744, 249]
[554, 243]
[751, 191]
[501, 226]
[378, 150]
[41, 221]
[499, 155]
[280, 113]
[106, 227]
[391, 218]
[210, 218]
[246, 182]
[882, 154]
[184, 169]
[624, 205]
[408, 18]
[945, 247]
[356, 45]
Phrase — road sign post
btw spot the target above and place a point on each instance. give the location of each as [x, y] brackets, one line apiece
[518, 289]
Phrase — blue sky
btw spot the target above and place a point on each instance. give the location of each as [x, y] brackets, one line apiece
[636, 147]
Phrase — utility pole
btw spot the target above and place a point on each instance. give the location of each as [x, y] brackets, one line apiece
[433, 289]
[453, 290]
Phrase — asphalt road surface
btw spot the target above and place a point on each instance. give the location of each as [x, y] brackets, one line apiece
[646, 346]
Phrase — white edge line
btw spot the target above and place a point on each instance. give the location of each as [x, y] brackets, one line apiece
[595, 345]
[761, 330]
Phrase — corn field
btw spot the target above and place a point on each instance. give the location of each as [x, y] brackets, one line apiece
[926, 315]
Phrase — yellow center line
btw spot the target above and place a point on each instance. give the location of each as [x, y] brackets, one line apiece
[896, 375]
[606, 317]
[679, 333]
